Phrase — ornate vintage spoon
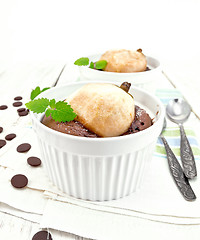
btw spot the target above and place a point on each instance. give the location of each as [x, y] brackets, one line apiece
[177, 172]
[178, 111]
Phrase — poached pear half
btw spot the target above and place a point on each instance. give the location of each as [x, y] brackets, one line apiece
[103, 108]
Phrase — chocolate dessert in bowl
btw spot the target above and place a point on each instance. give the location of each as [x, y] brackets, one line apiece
[122, 65]
[104, 153]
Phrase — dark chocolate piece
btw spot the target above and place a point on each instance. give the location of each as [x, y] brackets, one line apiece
[34, 161]
[24, 147]
[18, 98]
[42, 235]
[3, 107]
[1, 129]
[17, 104]
[23, 113]
[2, 143]
[10, 136]
[19, 181]
[21, 109]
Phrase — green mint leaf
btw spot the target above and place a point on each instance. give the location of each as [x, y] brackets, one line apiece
[59, 111]
[63, 112]
[52, 103]
[48, 112]
[37, 91]
[44, 89]
[101, 64]
[38, 105]
[91, 65]
[82, 61]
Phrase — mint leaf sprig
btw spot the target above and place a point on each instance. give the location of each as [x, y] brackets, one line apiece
[84, 61]
[59, 111]
[35, 92]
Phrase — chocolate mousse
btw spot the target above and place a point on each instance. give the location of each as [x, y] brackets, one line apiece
[142, 121]
[73, 128]
[103, 110]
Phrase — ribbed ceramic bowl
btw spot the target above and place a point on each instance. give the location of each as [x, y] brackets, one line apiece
[147, 79]
[98, 169]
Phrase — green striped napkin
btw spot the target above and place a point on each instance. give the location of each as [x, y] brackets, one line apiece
[172, 133]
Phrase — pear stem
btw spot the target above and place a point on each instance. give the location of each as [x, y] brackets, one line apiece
[125, 86]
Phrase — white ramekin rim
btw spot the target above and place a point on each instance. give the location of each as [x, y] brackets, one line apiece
[155, 125]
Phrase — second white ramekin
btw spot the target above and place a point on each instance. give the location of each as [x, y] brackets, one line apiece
[147, 80]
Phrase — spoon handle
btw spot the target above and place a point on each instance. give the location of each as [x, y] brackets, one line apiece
[187, 157]
[178, 174]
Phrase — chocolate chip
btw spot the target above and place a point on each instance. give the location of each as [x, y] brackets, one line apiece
[1, 129]
[18, 98]
[10, 136]
[24, 147]
[2, 143]
[137, 129]
[34, 161]
[23, 113]
[17, 104]
[142, 123]
[21, 109]
[42, 235]
[3, 107]
[19, 181]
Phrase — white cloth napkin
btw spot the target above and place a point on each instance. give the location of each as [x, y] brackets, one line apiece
[106, 226]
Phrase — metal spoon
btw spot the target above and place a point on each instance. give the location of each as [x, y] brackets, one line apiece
[177, 172]
[178, 111]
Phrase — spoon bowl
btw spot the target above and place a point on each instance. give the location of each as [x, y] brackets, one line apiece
[178, 110]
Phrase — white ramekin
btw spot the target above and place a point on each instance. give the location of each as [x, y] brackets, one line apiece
[147, 80]
[98, 169]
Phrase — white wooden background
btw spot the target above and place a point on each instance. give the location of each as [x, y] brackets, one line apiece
[60, 31]
[38, 30]
[38, 37]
